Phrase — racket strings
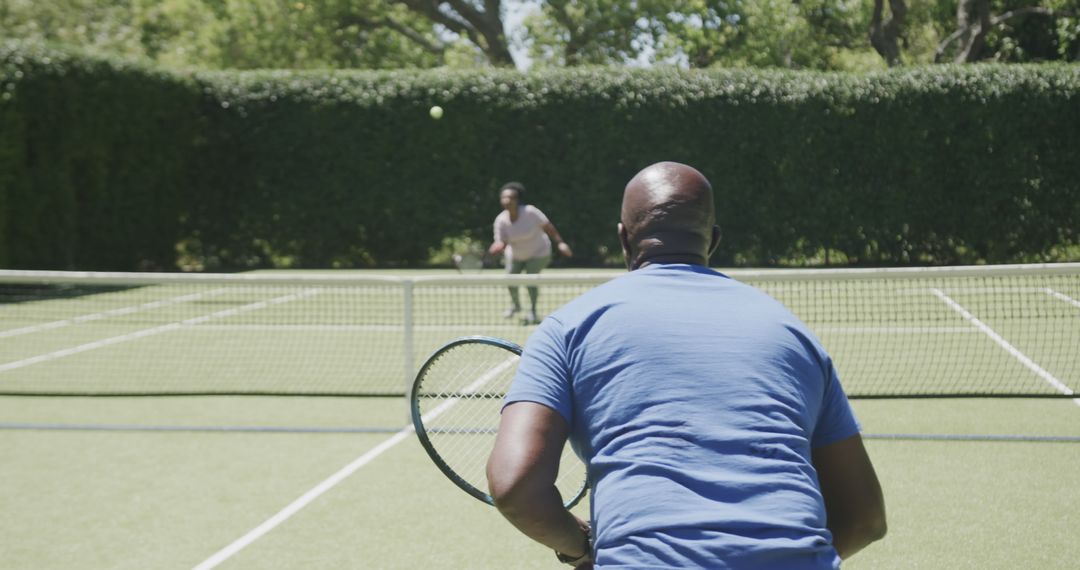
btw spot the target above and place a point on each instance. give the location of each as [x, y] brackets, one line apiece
[463, 380]
[459, 397]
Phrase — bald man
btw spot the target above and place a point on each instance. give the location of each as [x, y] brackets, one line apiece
[712, 422]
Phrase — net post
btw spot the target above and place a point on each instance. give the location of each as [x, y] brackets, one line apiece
[407, 340]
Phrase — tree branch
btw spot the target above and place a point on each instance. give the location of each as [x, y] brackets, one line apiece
[576, 39]
[430, 10]
[580, 35]
[467, 10]
[939, 53]
[416, 37]
[489, 24]
[484, 29]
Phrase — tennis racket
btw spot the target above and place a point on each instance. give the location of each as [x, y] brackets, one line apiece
[455, 402]
[468, 262]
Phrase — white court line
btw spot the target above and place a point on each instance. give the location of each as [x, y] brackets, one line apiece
[1029, 363]
[1061, 296]
[895, 330]
[110, 313]
[974, 290]
[358, 328]
[153, 331]
[473, 327]
[283, 515]
[331, 481]
[301, 328]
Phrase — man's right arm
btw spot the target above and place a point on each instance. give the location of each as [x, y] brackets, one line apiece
[854, 503]
[498, 244]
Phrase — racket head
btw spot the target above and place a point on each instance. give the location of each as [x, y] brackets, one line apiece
[468, 262]
[456, 401]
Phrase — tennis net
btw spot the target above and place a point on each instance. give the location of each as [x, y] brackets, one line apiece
[995, 331]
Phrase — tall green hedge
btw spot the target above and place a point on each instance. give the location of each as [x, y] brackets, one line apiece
[346, 169]
[94, 158]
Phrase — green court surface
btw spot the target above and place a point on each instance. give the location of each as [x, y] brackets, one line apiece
[95, 498]
[258, 482]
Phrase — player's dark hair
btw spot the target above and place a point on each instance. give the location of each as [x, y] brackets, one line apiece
[517, 187]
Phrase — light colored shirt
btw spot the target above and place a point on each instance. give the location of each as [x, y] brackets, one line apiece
[695, 401]
[524, 238]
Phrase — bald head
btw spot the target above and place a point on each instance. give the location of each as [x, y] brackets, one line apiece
[668, 216]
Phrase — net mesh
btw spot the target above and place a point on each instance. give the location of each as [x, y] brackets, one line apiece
[942, 332]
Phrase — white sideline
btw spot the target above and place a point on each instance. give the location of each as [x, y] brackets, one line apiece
[331, 481]
[110, 313]
[1029, 363]
[153, 331]
[283, 515]
[1061, 296]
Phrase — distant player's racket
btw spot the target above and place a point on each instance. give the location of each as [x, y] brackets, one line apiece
[456, 401]
[468, 262]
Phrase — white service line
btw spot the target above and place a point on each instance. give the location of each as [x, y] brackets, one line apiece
[895, 330]
[330, 482]
[1061, 296]
[153, 331]
[110, 313]
[1029, 363]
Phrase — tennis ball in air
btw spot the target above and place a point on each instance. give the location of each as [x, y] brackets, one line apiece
[436, 112]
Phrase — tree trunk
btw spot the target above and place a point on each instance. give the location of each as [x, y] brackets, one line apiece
[885, 34]
[974, 22]
[973, 18]
[483, 28]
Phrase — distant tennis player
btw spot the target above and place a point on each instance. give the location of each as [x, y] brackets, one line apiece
[524, 235]
[712, 422]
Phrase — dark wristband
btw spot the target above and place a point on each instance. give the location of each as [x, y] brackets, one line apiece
[577, 561]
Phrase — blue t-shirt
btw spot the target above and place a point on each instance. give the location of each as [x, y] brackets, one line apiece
[695, 401]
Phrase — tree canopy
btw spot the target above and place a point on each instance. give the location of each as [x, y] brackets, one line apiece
[384, 34]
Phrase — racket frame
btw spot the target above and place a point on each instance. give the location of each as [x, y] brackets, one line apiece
[421, 429]
[469, 262]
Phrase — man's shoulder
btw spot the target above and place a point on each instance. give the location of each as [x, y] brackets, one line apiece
[531, 210]
[626, 287]
[680, 285]
[587, 302]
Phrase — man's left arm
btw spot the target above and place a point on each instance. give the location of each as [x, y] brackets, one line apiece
[521, 478]
[854, 504]
[562, 246]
